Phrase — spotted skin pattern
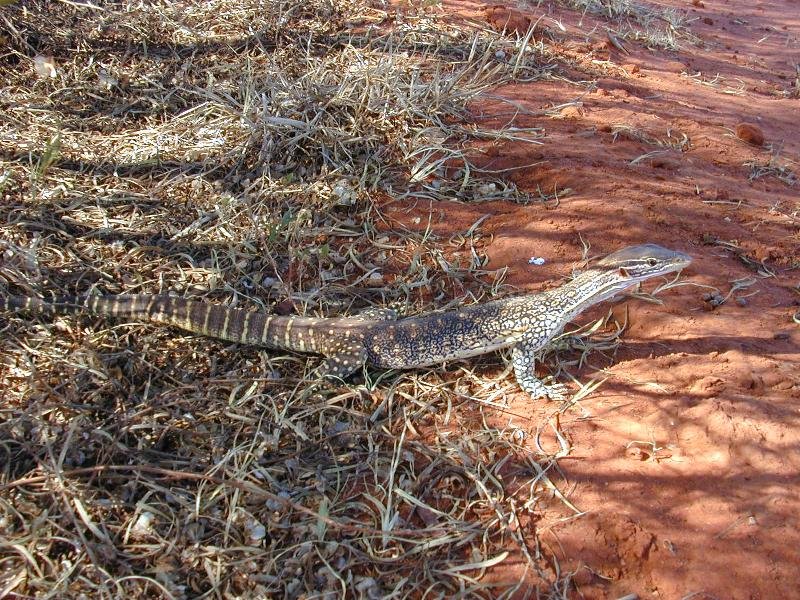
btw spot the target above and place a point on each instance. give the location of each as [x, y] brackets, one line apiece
[524, 323]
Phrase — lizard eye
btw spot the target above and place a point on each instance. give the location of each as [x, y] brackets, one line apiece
[652, 262]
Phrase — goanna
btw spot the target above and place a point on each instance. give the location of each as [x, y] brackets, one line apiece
[523, 323]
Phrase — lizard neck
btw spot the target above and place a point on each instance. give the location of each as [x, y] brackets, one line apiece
[586, 289]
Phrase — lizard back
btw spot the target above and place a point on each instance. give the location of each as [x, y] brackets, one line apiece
[470, 331]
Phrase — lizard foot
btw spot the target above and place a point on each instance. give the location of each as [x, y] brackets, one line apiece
[556, 391]
[537, 389]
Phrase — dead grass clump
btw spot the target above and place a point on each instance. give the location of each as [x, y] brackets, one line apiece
[241, 152]
[655, 26]
[674, 140]
[775, 167]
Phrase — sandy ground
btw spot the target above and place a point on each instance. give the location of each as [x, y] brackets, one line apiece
[686, 460]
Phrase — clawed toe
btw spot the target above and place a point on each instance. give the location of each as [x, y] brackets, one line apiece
[557, 391]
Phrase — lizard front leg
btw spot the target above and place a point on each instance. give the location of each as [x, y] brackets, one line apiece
[523, 357]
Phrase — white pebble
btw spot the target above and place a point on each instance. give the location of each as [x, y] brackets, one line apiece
[256, 531]
[45, 66]
[144, 524]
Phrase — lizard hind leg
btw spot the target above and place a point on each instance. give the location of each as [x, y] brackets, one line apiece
[341, 364]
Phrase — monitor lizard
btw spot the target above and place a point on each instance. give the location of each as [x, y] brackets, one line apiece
[523, 323]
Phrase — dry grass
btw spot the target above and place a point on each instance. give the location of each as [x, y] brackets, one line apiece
[674, 140]
[655, 26]
[242, 152]
[775, 166]
[718, 83]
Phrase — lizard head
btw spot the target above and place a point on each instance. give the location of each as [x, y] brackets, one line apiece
[620, 270]
[637, 263]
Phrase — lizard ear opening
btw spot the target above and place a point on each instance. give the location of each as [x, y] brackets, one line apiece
[623, 272]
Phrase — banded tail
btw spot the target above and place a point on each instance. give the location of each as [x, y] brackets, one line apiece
[238, 325]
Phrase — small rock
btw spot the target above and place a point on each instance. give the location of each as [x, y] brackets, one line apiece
[665, 162]
[255, 530]
[45, 66]
[707, 387]
[284, 308]
[713, 299]
[583, 576]
[752, 134]
[143, 525]
[636, 453]
[501, 18]
[674, 66]
[571, 112]
[107, 80]
[375, 279]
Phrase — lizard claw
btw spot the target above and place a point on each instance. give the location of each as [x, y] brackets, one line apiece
[555, 391]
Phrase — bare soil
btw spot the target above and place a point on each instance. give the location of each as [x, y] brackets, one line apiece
[686, 460]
